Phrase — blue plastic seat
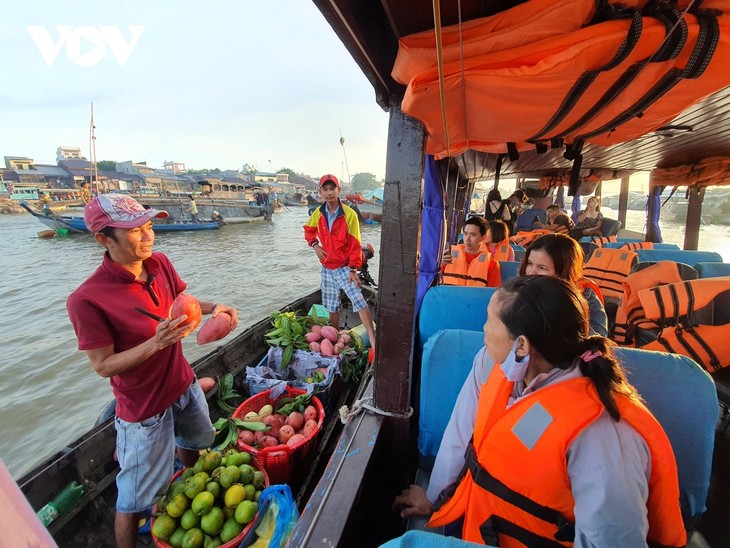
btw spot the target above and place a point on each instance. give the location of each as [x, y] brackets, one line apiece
[682, 397]
[526, 221]
[660, 245]
[452, 307]
[447, 359]
[686, 256]
[509, 269]
[712, 270]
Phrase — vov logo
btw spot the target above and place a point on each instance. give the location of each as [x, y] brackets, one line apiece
[85, 45]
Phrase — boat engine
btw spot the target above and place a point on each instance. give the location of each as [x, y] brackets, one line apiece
[364, 274]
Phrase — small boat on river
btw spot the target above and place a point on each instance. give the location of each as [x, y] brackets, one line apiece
[75, 223]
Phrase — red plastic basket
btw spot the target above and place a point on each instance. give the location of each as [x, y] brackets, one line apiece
[234, 542]
[282, 463]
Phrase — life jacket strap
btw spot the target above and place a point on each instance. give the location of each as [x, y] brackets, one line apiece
[485, 480]
[465, 277]
[497, 525]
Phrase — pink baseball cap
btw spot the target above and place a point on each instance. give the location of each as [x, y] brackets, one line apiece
[329, 178]
[118, 211]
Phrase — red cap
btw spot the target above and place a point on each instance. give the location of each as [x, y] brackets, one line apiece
[329, 178]
[118, 211]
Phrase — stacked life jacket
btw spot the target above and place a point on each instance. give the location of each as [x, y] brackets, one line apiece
[562, 73]
[609, 268]
[633, 246]
[515, 490]
[681, 310]
[482, 271]
[600, 241]
[630, 314]
[525, 238]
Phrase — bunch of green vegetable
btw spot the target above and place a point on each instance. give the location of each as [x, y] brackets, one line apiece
[355, 362]
[287, 405]
[226, 431]
[226, 392]
[288, 333]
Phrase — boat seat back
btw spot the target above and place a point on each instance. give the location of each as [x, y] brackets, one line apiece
[452, 307]
[519, 251]
[526, 221]
[620, 243]
[712, 270]
[610, 227]
[686, 272]
[681, 395]
[447, 359]
[686, 256]
[509, 269]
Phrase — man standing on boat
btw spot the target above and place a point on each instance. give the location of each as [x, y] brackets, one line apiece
[160, 405]
[333, 232]
[193, 209]
[85, 192]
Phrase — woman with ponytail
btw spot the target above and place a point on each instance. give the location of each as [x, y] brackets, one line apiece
[552, 446]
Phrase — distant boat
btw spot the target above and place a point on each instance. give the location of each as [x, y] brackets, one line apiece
[296, 199]
[76, 224]
[370, 207]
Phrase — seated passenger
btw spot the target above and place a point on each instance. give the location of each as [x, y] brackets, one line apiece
[561, 256]
[497, 241]
[589, 220]
[471, 263]
[552, 447]
[557, 221]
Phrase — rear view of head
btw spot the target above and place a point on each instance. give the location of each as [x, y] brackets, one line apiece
[494, 195]
[499, 231]
[564, 252]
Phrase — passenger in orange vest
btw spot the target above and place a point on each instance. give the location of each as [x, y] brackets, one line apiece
[557, 221]
[560, 255]
[552, 446]
[471, 263]
[497, 241]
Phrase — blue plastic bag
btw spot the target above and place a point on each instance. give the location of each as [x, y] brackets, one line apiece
[277, 517]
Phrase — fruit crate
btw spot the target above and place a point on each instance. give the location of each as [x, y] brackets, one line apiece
[282, 463]
[234, 542]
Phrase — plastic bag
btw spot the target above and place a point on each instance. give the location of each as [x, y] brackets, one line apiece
[278, 515]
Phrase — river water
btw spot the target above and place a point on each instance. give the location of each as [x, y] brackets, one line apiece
[50, 395]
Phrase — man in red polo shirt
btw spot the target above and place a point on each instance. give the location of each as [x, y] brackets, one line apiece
[160, 406]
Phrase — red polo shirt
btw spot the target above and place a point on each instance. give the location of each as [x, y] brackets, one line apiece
[102, 313]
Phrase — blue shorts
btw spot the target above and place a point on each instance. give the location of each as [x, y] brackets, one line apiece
[146, 450]
[334, 280]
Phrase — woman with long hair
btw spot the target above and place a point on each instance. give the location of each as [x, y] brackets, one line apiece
[548, 444]
[561, 256]
[495, 208]
[590, 220]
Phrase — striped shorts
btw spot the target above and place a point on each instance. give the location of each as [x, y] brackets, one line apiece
[339, 278]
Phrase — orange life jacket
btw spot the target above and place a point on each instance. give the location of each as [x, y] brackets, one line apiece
[505, 483]
[502, 252]
[585, 283]
[604, 83]
[525, 238]
[608, 268]
[483, 271]
[633, 246]
[600, 240]
[675, 307]
[630, 315]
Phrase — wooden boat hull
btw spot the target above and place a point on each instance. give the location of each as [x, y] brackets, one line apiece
[90, 459]
[227, 207]
[76, 224]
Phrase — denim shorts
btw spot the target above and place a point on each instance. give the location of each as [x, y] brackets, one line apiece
[146, 449]
[339, 278]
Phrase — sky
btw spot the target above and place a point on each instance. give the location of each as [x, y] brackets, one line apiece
[219, 83]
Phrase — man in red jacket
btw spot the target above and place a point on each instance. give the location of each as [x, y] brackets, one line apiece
[333, 231]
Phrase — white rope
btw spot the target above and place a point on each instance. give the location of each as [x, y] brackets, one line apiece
[364, 404]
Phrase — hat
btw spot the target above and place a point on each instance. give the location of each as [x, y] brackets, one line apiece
[329, 178]
[118, 211]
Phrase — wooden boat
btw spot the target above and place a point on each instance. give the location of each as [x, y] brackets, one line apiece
[295, 199]
[90, 459]
[75, 223]
[368, 209]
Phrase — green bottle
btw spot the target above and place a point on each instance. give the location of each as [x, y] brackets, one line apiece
[63, 502]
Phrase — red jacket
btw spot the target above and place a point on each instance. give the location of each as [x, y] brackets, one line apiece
[342, 243]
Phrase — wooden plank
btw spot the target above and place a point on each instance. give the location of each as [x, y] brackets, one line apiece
[694, 218]
[398, 261]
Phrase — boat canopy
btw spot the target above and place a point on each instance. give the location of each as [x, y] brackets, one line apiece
[622, 75]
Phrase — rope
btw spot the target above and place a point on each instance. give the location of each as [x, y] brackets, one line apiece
[347, 414]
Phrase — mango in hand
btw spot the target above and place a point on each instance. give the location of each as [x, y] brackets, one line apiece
[215, 328]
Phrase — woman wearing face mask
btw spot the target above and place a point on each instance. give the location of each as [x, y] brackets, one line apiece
[562, 450]
[561, 256]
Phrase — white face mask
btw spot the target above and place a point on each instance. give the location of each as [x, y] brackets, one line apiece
[512, 367]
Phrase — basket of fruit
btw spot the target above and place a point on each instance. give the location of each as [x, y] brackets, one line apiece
[213, 503]
[287, 448]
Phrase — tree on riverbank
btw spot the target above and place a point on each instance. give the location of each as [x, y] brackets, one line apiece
[364, 181]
